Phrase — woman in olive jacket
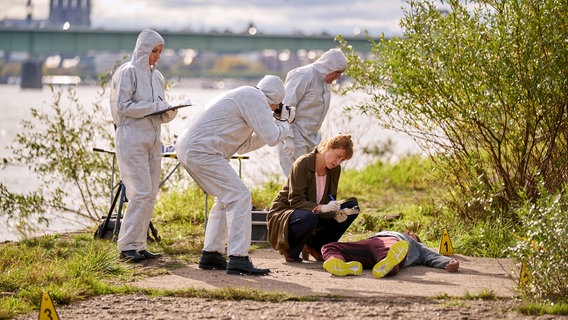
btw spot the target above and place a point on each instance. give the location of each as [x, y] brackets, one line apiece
[304, 215]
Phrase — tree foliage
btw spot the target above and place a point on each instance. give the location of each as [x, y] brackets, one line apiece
[56, 144]
[482, 87]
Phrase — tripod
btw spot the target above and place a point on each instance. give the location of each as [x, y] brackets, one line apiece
[110, 228]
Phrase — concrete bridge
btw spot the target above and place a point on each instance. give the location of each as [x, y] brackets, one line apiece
[78, 41]
[39, 43]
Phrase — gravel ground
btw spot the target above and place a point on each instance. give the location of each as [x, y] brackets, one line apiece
[122, 307]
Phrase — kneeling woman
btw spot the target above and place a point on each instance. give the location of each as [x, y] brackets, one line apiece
[304, 215]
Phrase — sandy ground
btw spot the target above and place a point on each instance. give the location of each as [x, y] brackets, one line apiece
[476, 275]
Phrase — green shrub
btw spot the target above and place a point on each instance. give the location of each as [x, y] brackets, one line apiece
[543, 249]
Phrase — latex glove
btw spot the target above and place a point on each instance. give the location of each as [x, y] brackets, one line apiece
[289, 147]
[288, 114]
[285, 113]
[340, 216]
[330, 207]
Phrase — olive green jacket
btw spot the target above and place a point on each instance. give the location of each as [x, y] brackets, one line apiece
[299, 192]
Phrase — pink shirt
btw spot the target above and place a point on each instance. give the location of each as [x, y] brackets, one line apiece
[320, 186]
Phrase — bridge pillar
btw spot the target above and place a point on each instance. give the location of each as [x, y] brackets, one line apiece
[31, 74]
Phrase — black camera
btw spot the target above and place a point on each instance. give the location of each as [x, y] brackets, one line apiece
[277, 113]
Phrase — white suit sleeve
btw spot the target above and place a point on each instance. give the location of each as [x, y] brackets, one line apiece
[125, 90]
[256, 141]
[266, 131]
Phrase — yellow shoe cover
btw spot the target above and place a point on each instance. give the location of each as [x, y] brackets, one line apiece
[341, 268]
[396, 254]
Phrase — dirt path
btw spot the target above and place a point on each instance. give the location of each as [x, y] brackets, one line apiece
[476, 275]
[412, 294]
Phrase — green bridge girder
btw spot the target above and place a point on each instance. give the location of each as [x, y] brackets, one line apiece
[49, 41]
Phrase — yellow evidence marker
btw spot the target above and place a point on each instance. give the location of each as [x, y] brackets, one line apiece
[446, 248]
[46, 308]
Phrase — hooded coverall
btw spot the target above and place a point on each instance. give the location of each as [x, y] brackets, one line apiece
[307, 90]
[238, 121]
[138, 90]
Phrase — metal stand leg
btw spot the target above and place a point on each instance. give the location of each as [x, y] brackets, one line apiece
[205, 212]
[169, 174]
[120, 193]
[116, 230]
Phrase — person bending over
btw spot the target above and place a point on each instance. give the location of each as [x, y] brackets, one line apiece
[238, 121]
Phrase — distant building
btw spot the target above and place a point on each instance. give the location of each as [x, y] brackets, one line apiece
[75, 12]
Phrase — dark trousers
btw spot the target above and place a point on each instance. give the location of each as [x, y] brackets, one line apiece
[306, 228]
[367, 251]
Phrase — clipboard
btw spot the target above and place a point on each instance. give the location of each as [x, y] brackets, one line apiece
[168, 109]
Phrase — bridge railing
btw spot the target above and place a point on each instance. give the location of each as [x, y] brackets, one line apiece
[78, 41]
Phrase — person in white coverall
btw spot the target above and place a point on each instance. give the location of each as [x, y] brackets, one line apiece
[238, 121]
[137, 89]
[307, 89]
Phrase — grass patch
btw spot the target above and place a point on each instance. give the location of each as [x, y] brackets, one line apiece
[70, 268]
[233, 294]
[542, 309]
[483, 295]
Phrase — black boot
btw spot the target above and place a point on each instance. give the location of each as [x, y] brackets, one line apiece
[212, 260]
[131, 256]
[243, 265]
[149, 255]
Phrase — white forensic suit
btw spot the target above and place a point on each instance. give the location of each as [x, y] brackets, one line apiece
[238, 121]
[307, 90]
[138, 90]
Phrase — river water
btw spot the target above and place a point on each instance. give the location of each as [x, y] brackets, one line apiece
[261, 167]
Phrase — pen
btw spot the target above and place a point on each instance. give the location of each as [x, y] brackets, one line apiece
[160, 98]
[331, 197]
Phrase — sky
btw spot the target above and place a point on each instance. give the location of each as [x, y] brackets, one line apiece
[310, 17]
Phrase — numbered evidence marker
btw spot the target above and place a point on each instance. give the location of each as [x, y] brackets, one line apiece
[524, 276]
[446, 248]
[46, 308]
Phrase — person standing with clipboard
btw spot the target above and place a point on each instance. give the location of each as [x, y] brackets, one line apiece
[137, 89]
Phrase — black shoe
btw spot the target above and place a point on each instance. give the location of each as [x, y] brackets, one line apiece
[149, 255]
[243, 265]
[131, 256]
[212, 260]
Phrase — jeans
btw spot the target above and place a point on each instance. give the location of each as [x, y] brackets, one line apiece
[306, 228]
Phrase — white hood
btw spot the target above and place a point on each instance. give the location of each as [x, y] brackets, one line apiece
[331, 61]
[146, 42]
[273, 89]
